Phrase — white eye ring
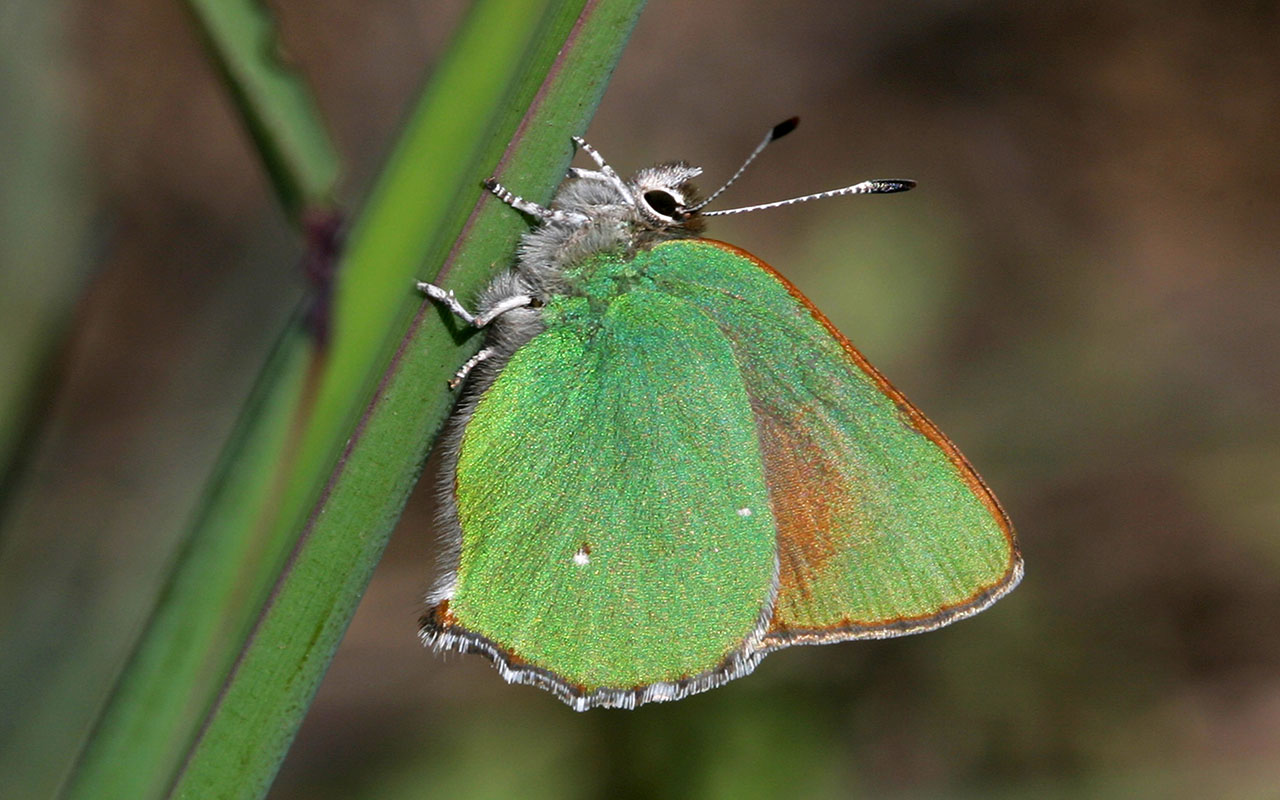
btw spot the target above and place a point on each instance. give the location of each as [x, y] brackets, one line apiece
[662, 203]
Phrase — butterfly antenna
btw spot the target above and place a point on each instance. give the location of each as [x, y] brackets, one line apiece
[774, 134]
[866, 187]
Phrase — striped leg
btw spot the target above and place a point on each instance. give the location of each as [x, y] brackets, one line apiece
[543, 215]
[461, 374]
[447, 298]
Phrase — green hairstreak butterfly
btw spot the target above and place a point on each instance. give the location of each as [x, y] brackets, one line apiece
[665, 463]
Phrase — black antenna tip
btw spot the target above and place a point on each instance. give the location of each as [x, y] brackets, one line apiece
[888, 186]
[783, 128]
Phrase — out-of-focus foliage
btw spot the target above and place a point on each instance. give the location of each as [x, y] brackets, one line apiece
[1081, 293]
[43, 218]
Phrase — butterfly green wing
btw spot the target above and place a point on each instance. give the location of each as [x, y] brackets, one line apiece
[616, 539]
[883, 527]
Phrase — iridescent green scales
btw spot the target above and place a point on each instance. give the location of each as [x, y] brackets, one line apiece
[616, 517]
[613, 550]
[667, 464]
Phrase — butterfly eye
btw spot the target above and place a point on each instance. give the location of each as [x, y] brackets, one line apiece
[663, 203]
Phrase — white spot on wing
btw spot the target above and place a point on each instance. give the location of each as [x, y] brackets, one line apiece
[744, 512]
[581, 558]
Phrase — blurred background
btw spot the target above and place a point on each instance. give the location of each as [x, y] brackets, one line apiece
[1083, 292]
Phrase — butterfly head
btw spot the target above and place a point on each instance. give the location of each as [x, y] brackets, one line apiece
[661, 202]
[665, 197]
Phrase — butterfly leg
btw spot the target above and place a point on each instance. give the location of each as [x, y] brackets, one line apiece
[540, 213]
[605, 169]
[596, 157]
[465, 370]
[447, 298]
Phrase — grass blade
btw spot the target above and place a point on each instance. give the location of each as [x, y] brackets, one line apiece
[274, 101]
[287, 444]
[46, 256]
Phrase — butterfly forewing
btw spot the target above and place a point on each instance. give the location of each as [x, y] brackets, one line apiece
[882, 526]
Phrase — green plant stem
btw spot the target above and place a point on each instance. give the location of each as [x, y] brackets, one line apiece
[258, 714]
[223, 674]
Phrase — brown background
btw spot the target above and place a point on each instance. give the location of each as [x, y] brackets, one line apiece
[1084, 292]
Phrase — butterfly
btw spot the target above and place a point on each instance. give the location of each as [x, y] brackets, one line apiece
[665, 463]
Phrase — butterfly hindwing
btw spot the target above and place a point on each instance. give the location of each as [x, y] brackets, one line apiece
[614, 518]
[883, 527]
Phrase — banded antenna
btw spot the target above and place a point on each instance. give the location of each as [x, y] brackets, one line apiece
[774, 134]
[777, 132]
[883, 186]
